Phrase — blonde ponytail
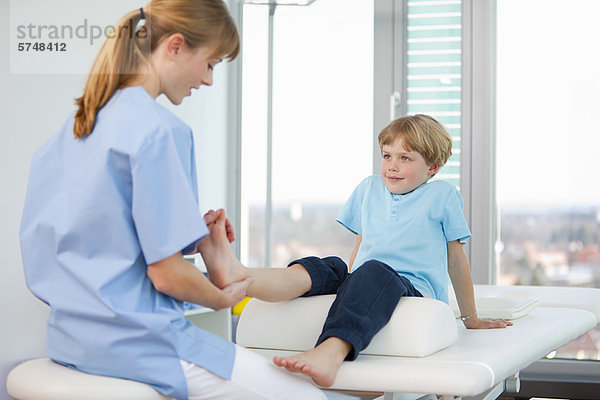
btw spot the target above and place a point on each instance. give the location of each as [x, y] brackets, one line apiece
[119, 61]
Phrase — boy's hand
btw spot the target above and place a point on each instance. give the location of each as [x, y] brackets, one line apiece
[486, 323]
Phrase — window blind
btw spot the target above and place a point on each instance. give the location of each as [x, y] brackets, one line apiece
[434, 52]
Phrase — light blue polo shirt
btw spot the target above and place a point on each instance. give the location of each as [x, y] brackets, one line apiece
[409, 232]
[98, 211]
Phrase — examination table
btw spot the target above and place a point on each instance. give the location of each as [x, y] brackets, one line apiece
[442, 357]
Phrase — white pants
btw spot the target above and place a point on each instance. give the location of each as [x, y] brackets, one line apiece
[253, 378]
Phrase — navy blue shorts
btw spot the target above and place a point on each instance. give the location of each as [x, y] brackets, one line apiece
[365, 301]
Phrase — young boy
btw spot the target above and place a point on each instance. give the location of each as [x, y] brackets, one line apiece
[410, 235]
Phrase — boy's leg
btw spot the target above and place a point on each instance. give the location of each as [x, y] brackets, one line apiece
[279, 284]
[327, 275]
[270, 284]
[308, 276]
[364, 304]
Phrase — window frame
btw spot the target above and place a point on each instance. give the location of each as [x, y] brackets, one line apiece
[478, 183]
[234, 131]
[479, 171]
[235, 139]
[478, 164]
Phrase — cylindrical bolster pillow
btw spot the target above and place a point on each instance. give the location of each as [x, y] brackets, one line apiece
[418, 327]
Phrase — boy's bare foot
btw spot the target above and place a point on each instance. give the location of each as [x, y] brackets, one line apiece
[221, 264]
[321, 363]
[211, 216]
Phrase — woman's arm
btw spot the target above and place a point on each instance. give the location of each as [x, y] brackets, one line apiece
[354, 252]
[459, 270]
[181, 280]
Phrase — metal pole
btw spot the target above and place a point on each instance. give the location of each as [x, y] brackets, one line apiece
[269, 200]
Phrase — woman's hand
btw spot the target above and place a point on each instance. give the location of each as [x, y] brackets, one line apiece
[235, 292]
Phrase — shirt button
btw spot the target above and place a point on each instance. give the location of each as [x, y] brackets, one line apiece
[396, 199]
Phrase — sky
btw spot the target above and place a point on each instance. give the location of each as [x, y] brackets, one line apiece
[322, 100]
[548, 93]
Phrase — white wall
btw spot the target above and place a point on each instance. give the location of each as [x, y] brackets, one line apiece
[206, 112]
[32, 107]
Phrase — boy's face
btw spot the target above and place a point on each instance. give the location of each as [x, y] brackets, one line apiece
[403, 171]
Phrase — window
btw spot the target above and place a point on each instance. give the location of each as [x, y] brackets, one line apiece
[548, 81]
[295, 182]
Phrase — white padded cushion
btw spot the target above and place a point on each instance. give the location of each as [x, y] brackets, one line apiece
[418, 327]
[43, 379]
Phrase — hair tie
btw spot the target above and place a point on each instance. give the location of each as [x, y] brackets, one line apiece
[143, 16]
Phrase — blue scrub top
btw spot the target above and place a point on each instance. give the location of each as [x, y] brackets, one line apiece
[98, 211]
[409, 232]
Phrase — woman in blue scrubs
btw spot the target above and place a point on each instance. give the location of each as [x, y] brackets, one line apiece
[112, 204]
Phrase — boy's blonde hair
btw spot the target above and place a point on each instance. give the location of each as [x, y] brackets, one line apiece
[420, 133]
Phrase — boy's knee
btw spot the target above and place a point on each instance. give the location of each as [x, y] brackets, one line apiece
[335, 263]
[333, 259]
[377, 267]
[338, 266]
